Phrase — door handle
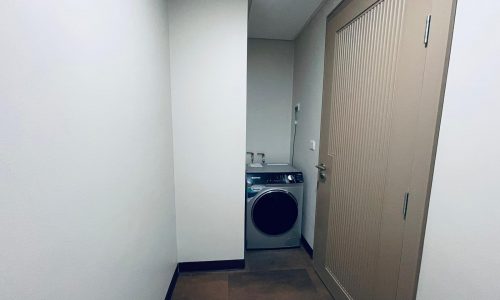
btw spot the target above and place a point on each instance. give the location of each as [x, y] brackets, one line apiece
[322, 172]
[321, 167]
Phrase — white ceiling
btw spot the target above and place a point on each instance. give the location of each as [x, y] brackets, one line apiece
[279, 19]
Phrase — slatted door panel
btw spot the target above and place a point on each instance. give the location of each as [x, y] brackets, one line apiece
[360, 125]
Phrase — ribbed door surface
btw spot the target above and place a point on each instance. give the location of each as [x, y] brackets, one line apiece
[361, 114]
[371, 156]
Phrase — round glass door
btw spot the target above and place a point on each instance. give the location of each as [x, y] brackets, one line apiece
[275, 212]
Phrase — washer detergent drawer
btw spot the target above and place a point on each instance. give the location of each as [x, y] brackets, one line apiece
[254, 190]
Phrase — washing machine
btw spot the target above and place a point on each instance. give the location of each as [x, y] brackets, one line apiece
[274, 201]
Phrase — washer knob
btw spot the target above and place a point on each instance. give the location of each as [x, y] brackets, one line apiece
[290, 178]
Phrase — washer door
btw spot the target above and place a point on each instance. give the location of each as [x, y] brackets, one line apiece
[275, 212]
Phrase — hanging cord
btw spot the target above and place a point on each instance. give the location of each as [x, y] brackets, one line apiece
[295, 122]
[293, 143]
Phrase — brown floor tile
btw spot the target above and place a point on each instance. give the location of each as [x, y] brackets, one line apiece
[323, 293]
[203, 286]
[281, 259]
[268, 274]
[272, 285]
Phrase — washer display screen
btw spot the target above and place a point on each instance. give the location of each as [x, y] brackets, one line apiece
[275, 212]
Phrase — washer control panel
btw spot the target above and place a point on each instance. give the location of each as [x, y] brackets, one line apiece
[274, 178]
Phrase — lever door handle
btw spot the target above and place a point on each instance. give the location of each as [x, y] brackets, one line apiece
[321, 167]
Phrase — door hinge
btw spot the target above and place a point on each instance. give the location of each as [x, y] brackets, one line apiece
[427, 30]
[405, 204]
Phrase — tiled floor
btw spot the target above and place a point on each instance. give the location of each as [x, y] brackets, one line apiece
[269, 274]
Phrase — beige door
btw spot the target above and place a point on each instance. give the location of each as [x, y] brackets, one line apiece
[377, 143]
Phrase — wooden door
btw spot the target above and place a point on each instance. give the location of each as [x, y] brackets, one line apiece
[377, 59]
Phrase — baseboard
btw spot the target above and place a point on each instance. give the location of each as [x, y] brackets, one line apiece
[211, 265]
[307, 247]
[173, 282]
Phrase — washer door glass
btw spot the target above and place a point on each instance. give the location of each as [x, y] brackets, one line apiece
[275, 212]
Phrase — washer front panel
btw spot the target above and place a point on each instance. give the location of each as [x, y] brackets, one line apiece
[255, 237]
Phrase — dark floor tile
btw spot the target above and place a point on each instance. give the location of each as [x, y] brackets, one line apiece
[205, 286]
[262, 278]
[272, 285]
[281, 259]
[323, 293]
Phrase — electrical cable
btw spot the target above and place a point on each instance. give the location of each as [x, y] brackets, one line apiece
[293, 143]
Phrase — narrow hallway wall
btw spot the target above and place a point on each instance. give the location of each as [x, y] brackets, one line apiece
[460, 257]
[209, 69]
[86, 167]
[308, 91]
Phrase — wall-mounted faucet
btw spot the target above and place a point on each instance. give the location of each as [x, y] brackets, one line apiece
[263, 159]
[251, 156]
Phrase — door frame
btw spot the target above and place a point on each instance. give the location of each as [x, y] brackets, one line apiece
[430, 111]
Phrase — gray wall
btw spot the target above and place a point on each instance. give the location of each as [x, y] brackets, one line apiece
[462, 243]
[86, 180]
[308, 91]
[269, 104]
[209, 69]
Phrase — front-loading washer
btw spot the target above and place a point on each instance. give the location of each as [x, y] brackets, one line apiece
[274, 202]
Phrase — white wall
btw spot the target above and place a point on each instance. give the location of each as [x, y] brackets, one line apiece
[462, 244]
[308, 91]
[86, 181]
[209, 56]
[269, 104]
